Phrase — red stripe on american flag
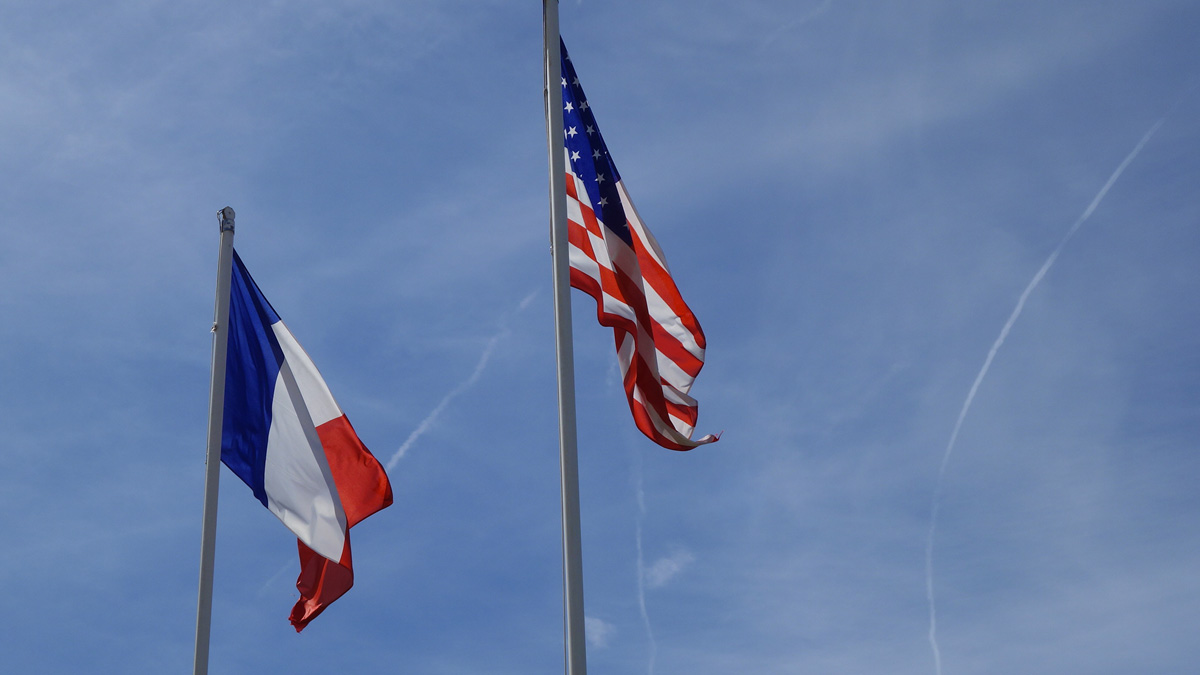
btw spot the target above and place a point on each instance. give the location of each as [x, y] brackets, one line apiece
[649, 271]
[624, 284]
[580, 239]
[664, 341]
[664, 285]
[640, 373]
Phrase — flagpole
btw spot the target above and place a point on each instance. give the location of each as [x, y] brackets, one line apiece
[576, 656]
[212, 472]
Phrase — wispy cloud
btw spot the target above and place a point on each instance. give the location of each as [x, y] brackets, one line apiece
[667, 568]
[598, 631]
[987, 363]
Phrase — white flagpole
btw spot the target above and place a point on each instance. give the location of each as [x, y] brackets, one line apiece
[216, 412]
[576, 656]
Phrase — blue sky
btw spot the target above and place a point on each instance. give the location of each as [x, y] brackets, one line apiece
[852, 196]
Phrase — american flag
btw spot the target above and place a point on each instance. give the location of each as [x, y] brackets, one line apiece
[616, 260]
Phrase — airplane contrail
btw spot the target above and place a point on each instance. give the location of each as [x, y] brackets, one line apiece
[290, 564]
[641, 564]
[987, 363]
[427, 423]
[796, 23]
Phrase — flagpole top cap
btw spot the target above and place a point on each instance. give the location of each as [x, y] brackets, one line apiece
[226, 216]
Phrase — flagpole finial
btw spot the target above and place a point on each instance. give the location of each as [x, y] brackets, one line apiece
[226, 216]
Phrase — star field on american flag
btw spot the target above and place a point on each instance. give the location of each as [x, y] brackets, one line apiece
[599, 175]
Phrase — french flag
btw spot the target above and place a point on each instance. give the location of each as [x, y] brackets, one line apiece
[285, 436]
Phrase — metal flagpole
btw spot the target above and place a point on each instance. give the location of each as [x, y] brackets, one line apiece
[576, 656]
[216, 411]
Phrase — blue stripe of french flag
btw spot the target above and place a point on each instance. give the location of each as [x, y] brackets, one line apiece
[285, 436]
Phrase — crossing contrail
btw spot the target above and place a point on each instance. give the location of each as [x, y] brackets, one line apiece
[427, 423]
[987, 363]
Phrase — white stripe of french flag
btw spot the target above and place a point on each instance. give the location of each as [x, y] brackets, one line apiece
[285, 437]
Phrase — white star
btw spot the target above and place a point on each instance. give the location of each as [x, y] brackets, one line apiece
[571, 132]
[576, 82]
[569, 107]
[583, 106]
[604, 201]
[590, 130]
[564, 82]
[595, 154]
[574, 156]
[599, 178]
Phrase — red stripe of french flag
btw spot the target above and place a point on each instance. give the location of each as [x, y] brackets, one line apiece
[363, 489]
